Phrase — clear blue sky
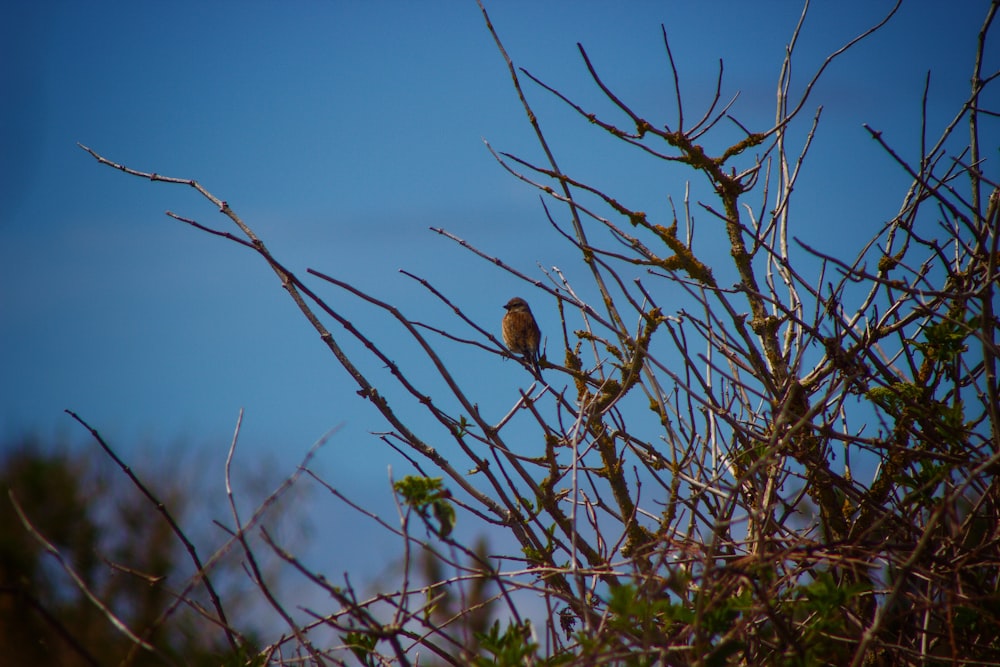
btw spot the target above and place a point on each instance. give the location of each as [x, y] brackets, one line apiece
[341, 131]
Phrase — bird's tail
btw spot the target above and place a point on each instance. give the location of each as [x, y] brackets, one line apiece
[536, 368]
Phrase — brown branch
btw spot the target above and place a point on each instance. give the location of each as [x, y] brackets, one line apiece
[231, 635]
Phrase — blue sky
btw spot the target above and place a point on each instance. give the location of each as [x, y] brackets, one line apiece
[341, 132]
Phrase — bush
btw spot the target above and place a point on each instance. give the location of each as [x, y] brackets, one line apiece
[694, 499]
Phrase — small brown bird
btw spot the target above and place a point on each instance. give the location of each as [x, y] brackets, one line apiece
[520, 331]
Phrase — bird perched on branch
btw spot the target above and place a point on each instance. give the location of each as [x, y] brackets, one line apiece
[521, 333]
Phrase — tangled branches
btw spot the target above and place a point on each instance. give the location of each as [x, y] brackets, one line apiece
[799, 467]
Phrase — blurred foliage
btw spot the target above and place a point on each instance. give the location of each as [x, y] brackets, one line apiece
[122, 550]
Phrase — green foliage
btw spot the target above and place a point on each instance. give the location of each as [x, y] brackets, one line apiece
[819, 609]
[895, 398]
[428, 493]
[944, 340]
[362, 645]
[462, 427]
[639, 613]
[944, 424]
[512, 647]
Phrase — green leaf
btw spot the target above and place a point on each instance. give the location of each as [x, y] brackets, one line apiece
[362, 646]
[513, 647]
[429, 497]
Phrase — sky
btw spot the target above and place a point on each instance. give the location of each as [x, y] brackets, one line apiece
[341, 132]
